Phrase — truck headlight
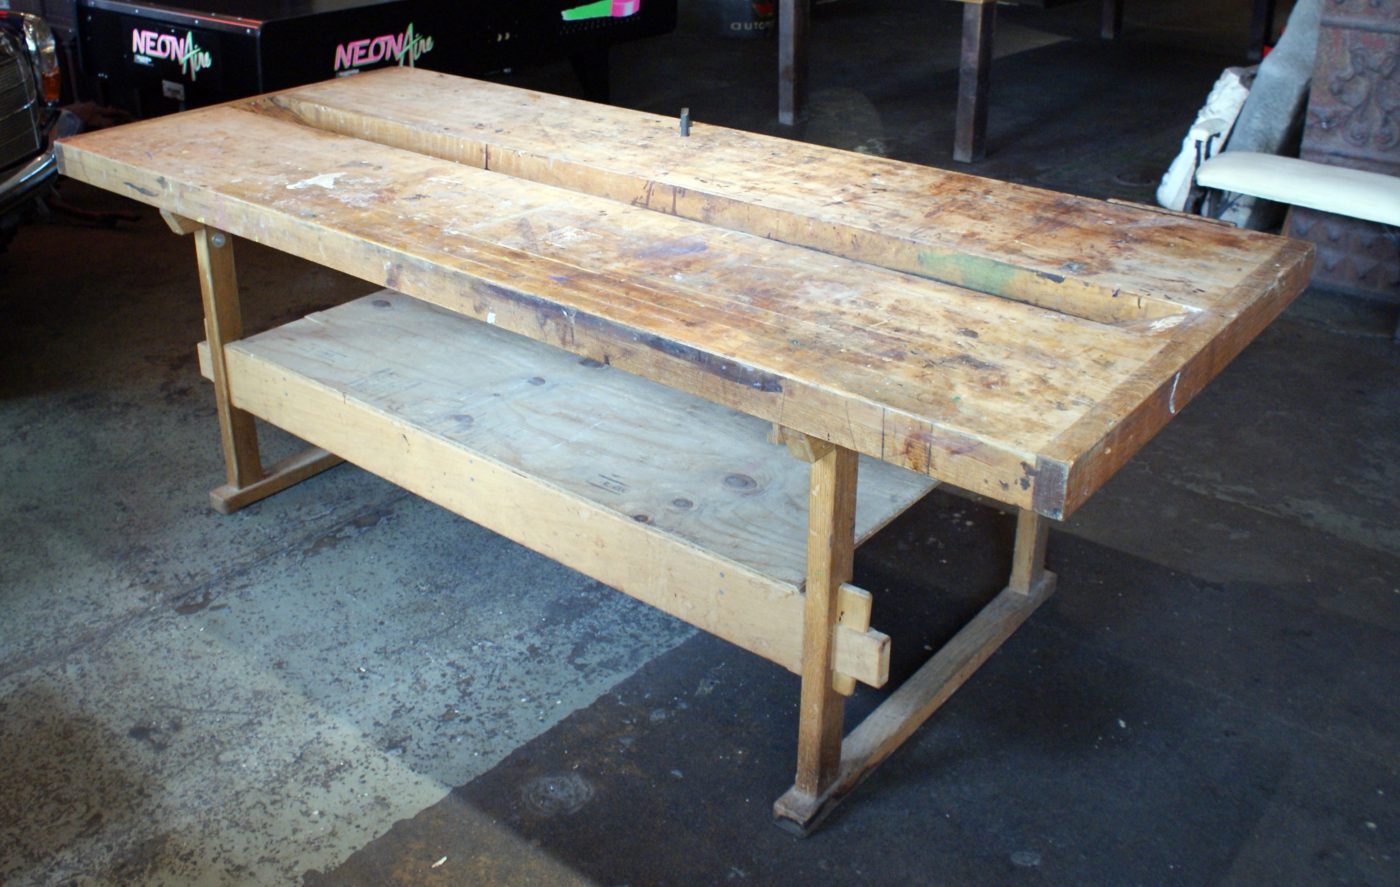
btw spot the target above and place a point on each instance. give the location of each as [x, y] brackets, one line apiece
[43, 51]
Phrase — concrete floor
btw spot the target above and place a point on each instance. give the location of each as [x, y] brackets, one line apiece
[344, 684]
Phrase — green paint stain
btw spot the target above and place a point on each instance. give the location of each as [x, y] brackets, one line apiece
[973, 272]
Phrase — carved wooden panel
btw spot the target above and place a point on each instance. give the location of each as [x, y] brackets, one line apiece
[1354, 120]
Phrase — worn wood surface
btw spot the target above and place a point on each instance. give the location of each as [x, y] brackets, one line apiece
[1111, 263]
[450, 190]
[669, 498]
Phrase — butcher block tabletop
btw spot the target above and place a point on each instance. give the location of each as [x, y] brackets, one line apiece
[1016, 342]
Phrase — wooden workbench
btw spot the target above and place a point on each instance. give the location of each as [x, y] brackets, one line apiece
[596, 330]
[975, 62]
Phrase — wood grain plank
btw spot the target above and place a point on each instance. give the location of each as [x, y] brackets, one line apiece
[1102, 441]
[1074, 254]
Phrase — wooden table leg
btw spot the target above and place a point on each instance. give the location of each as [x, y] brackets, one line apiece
[1112, 25]
[223, 323]
[830, 552]
[1028, 556]
[793, 18]
[974, 80]
[896, 719]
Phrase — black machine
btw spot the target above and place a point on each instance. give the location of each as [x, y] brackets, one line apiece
[154, 58]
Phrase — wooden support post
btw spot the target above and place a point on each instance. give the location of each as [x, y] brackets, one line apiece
[223, 323]
[887, 727]
[855, 604]
[1112, 19]
[974, 80]
[793, 19]
[1028, 559]
[830, 551]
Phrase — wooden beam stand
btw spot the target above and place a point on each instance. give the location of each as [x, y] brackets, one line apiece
[806, 804]
[831, 508]
[593, 333]
[223, 324]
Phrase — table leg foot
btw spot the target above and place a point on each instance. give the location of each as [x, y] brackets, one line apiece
[228, 498]
[799, 813]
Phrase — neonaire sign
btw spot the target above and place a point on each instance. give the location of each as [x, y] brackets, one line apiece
[193, 58]
[405, 49]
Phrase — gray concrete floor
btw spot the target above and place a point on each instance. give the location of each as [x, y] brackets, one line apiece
[187, 698]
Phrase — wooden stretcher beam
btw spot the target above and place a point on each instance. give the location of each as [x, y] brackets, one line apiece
[856, 606]
[282, 474]
[1019, 344]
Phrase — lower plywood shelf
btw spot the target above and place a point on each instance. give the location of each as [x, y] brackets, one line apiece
[674, 500]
